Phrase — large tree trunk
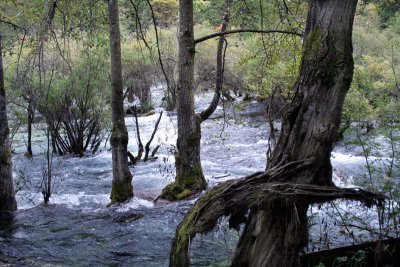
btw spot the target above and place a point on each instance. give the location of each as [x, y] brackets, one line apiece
[122, 178]
[7, 198]
[189, 173]
[276, 233]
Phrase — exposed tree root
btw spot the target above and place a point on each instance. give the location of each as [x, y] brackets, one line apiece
[235, 198]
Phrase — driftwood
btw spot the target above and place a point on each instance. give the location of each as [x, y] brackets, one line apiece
[236, 197]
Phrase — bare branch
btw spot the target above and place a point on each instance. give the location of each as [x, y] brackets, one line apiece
[147, 147]
[207, 37]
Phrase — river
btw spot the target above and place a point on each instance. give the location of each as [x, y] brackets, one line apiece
[77, 229]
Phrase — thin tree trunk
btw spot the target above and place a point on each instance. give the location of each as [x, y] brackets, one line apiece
[7, 198]
[276, 233]
[30, 122]
[121, 185]
[147, 147]
[220, 66]
[189, 173]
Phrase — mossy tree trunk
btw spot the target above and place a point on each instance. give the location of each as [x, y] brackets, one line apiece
[7, 198]
[189, 174]
[122, 178]
[276, 233]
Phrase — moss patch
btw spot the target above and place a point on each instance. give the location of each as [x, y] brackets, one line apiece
[5, 156]
[321, 53]
[119, 135]
[171, 192]
[184, 194]
[121, 191]
[174, 192]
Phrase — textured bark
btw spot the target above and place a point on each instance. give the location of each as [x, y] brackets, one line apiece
[122, 178]
[7, 198]
[189, 173]
[275, 234]
[234, 198]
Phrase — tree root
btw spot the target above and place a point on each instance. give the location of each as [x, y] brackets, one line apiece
[235, 198]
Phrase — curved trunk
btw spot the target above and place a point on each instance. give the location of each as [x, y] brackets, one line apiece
[189, 173]
[122, 178]
[276, 234]
[205, 114]
[7, 198]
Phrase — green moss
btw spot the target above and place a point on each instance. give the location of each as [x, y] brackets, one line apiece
[320, 52]
[119, 135]
[194, 180]
[175, 191]
[171, 191]
[184, 194]
[5, 156]
[121, 191]
[190, 226]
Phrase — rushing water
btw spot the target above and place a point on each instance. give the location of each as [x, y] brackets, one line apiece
[76, 228]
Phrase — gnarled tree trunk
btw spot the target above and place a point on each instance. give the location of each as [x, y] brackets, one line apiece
[121, 184]
[277, 232]
[7, 198]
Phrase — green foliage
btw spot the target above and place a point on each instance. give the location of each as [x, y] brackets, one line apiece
[386, 9]
[71, 92]
[166, 12]
[376, 77]
[270, 64]
[356, 260]
[372, 105]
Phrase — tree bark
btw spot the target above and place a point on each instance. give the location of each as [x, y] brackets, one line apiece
[31, 113]
[7, 198]
[277, 232]
[189, 173]
[122, 178]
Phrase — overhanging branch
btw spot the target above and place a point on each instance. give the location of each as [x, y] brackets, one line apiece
[205, 38]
